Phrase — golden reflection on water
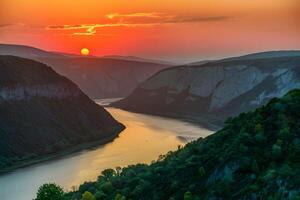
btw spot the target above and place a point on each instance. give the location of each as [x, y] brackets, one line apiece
[144, 139]
[140, 142]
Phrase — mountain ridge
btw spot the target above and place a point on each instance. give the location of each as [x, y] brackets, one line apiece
[257, 55]
[214, 90]
[118, 76]
[43, 114]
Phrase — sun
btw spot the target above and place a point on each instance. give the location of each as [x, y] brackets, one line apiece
[85, 51]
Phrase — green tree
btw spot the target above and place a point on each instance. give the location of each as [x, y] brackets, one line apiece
[254, 166]
[201, 171]
[108, 173]
[100, 195]
[119, 197]
[243, 148]
[285, 170]
[188, 196]
[276, 151]
[260, 138]
[285, 133]
[107, 187]
[50, 191]
[258, 128]
[88, 196]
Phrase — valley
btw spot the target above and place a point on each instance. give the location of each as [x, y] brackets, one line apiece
[145, 138]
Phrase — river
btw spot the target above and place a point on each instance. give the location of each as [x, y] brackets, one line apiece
[144, 139]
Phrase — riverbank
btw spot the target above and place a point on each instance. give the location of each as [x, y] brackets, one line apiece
[84, 146]
[205, 121]
[144, 139]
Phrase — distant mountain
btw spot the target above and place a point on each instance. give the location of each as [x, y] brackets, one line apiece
[265, 55]
[255, 156]
[200, 62]
[43, 113]
[98, 77]
[104, 77]
[262, 55]
[138, 59]
[27, 52]
[216, 90]
[71, 54]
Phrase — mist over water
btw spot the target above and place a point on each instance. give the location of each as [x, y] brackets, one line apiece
[144, 139]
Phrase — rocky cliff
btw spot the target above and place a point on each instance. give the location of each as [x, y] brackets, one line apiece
[98, 77]
[43, 113]
[216, 89]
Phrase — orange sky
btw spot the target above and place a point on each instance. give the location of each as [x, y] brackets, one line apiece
[178, 30]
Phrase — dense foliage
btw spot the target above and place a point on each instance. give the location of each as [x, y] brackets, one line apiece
[50, 192]
[255, 156]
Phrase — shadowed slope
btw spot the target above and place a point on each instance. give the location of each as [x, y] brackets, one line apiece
[42, 112]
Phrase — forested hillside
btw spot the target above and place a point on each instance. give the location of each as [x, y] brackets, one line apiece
[255, 156]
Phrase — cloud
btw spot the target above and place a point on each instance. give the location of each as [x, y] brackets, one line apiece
[136, 20]
[11, 24]
[88, 29]
[161, 18]
[117, 15]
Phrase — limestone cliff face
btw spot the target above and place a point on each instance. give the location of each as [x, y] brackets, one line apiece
[219, 89]
[42, 112]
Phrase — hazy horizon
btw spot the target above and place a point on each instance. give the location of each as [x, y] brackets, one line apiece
[176, 61]
[178, 31]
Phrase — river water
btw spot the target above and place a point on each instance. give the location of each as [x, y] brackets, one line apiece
[144, 139]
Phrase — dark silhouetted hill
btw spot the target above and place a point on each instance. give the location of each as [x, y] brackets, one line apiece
[44, 113]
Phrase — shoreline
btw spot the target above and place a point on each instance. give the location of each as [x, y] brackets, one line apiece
[67, 152]
[198, 120]
[202, 121]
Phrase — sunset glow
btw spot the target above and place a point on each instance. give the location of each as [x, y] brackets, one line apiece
[180, 30]
[85, 51]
